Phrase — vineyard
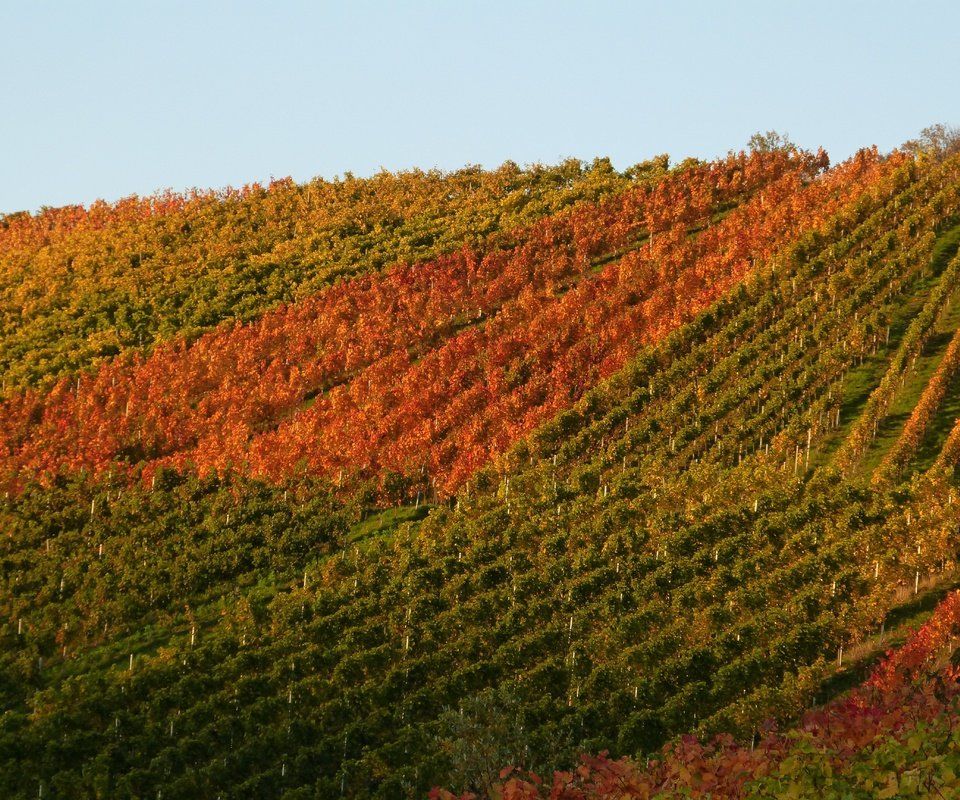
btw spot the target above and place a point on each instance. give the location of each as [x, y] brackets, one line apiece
[858, 747]
[366, 487]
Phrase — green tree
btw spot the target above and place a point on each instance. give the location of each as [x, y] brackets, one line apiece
[482, 737]
[769, 142]
[939, 141]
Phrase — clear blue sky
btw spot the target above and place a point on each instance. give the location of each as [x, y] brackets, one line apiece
[107, 99]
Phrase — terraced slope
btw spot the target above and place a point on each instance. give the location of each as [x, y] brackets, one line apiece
[691, 542]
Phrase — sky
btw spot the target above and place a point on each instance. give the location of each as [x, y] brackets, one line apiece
[107, 99]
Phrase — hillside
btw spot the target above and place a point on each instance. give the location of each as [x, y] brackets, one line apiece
[364, 487]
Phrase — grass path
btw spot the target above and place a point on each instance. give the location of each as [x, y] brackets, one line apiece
[861, 380]
[902, 620]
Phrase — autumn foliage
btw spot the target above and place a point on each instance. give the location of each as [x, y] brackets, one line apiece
[431, 370]
[79, 286]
